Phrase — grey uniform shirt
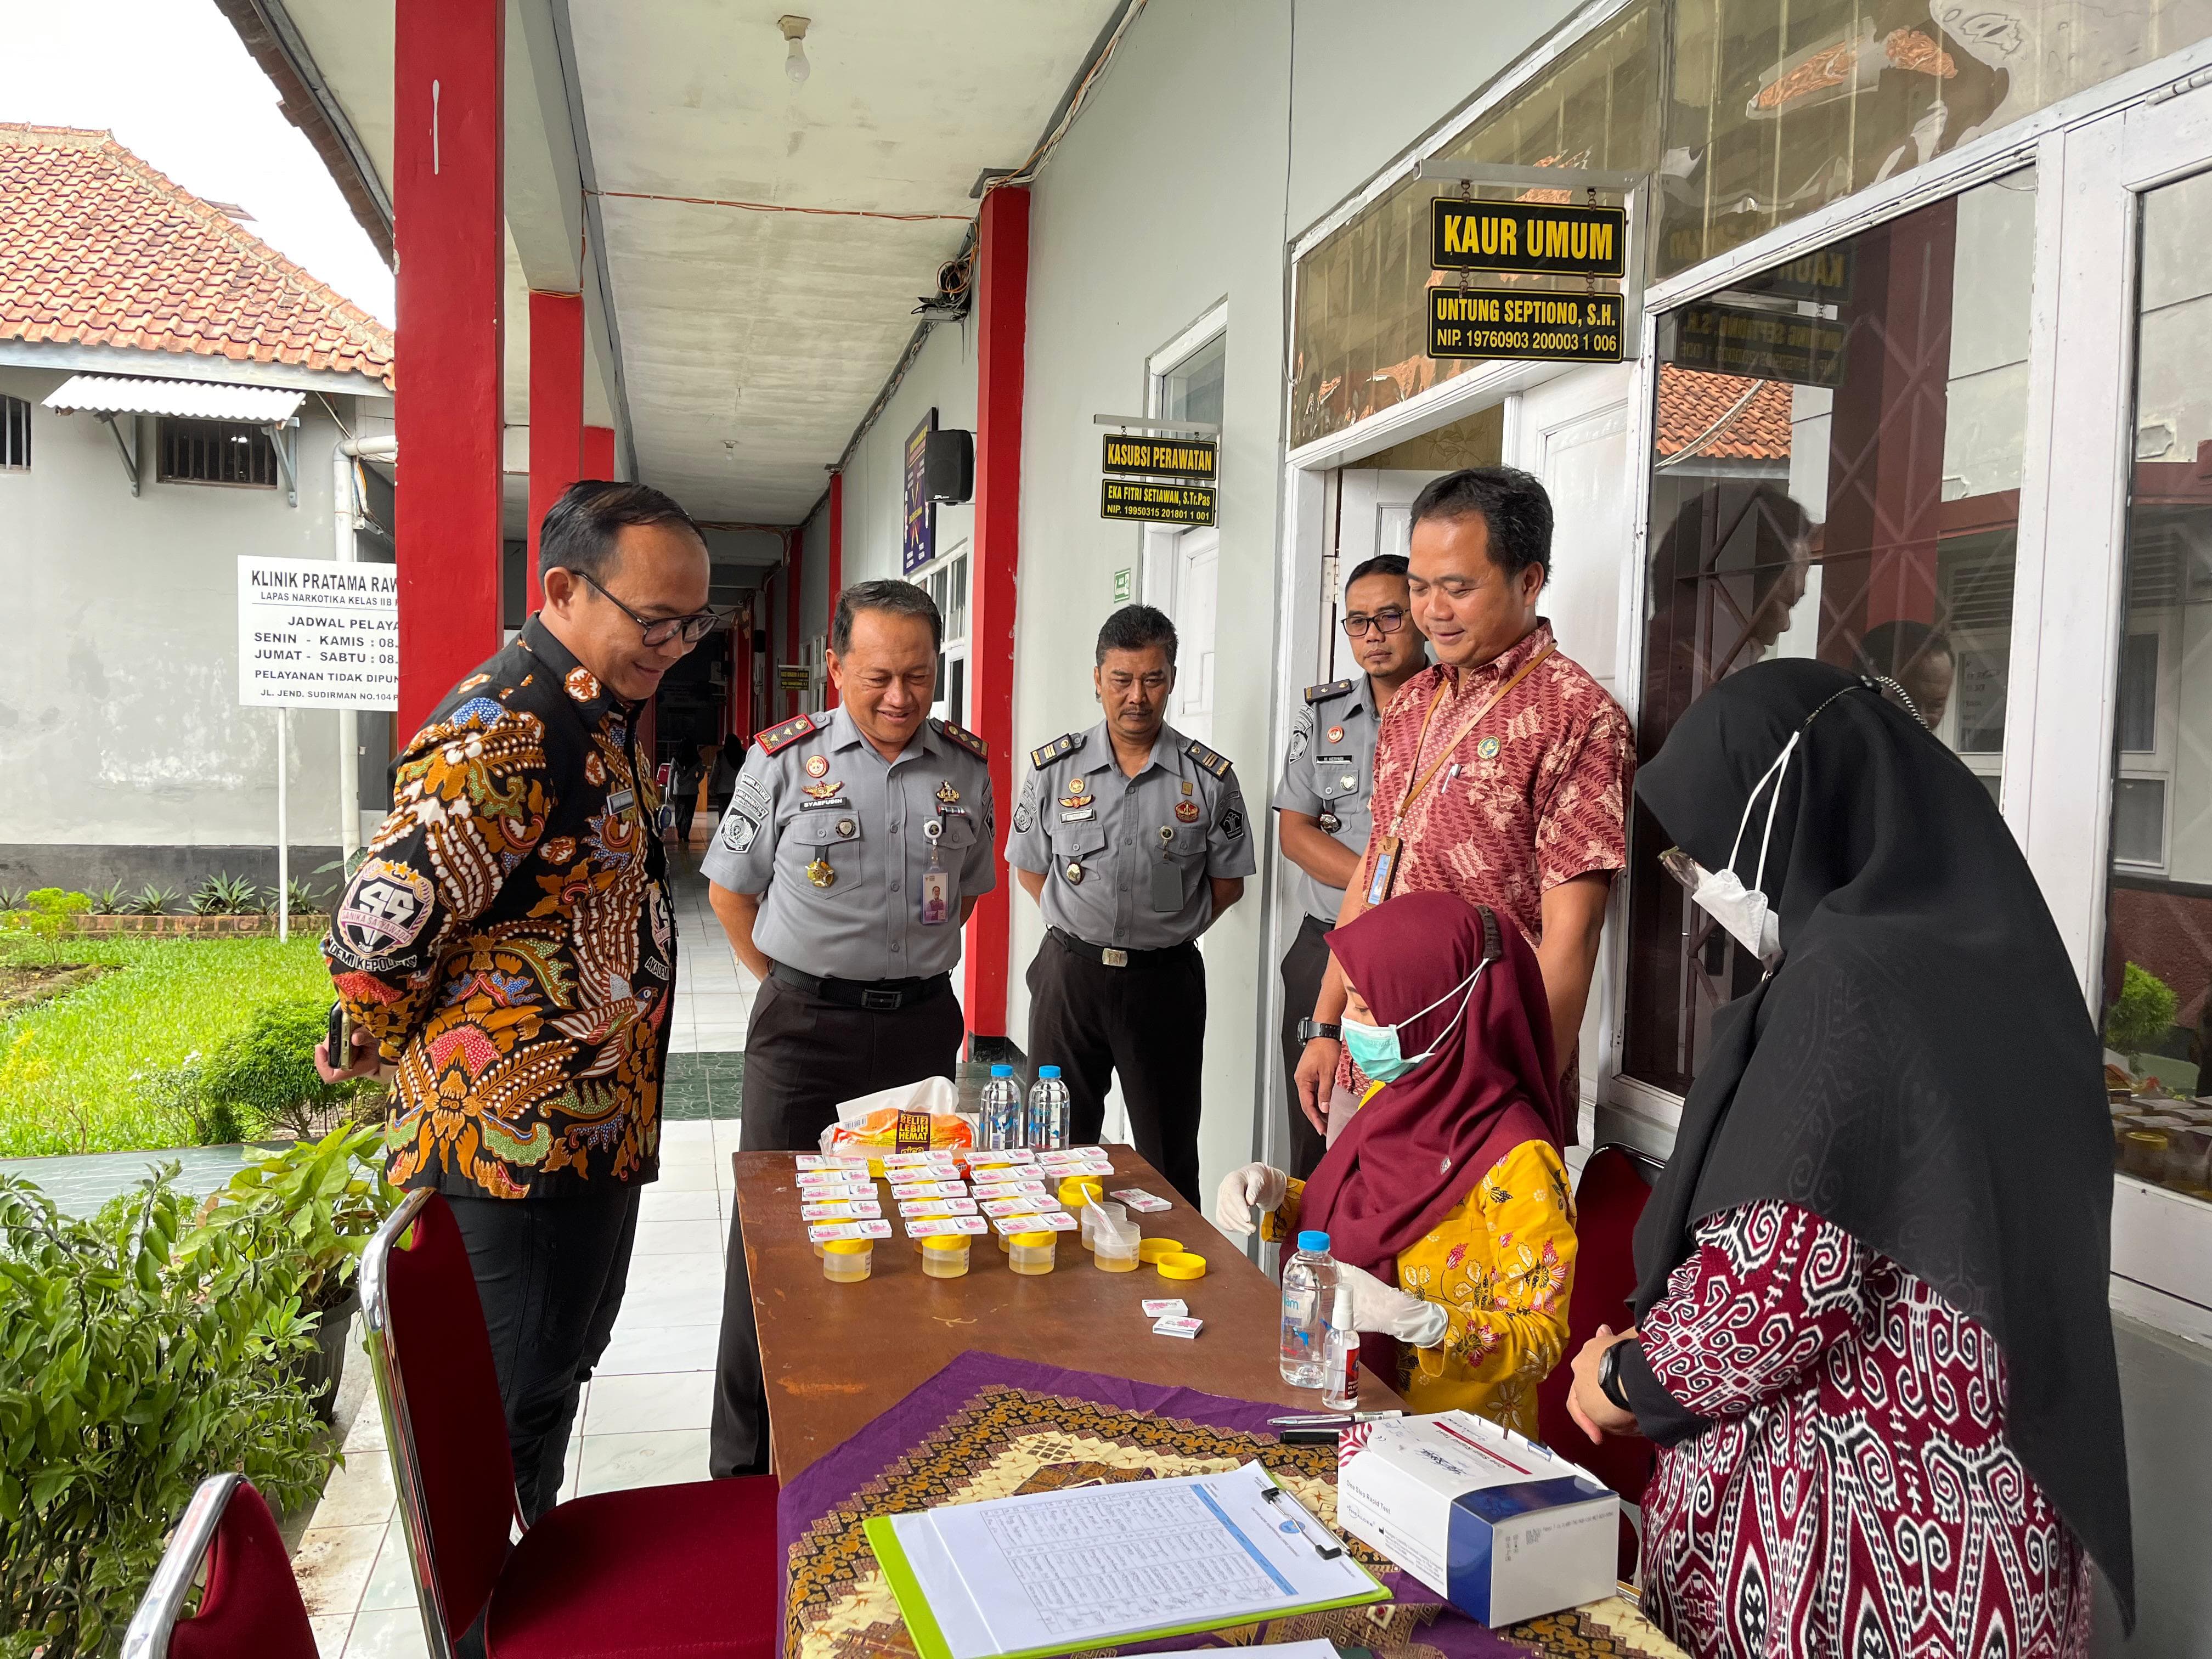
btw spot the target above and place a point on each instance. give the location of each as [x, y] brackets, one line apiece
[813, 792]
[1329, 772]
[1097, 833]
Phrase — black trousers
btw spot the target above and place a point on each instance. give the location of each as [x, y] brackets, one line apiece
[804, 1055]
[1305, 964]
[550, 1273]
[1147, 1024]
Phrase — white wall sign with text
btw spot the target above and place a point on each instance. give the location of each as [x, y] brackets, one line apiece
[316, 633]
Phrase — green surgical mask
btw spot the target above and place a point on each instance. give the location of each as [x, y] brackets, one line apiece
[1374, 1048]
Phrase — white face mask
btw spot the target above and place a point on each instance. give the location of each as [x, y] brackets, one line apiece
[1722, 895]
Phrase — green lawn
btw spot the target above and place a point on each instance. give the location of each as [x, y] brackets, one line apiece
[67, 1082]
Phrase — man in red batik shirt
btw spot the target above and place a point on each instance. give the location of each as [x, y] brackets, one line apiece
[1501, 773]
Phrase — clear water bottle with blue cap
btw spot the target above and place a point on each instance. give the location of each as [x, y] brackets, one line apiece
[1049, 1110]
[1309, 1292]
[1002, 1111]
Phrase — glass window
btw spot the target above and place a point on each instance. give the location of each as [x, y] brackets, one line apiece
[1191, 390]
[2158, 923]
[1359, 341]
[1776, 110]
[15, 435]
[1836, 475]
[216, 452]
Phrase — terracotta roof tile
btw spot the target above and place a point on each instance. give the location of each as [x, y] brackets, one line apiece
[97, 248]
[1691, 401]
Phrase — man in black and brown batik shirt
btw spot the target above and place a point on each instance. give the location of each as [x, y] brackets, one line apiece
[508, 951]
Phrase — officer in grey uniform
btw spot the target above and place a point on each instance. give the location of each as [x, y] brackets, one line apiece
[843, 875]
[1324, 807]
[1132, 838]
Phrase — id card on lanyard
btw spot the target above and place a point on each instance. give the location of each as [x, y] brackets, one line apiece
[1388, 847]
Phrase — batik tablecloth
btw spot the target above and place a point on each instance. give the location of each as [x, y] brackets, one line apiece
[991, 1427]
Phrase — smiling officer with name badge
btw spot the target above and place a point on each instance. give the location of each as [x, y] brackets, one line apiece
[856, 844]
[1134, 840]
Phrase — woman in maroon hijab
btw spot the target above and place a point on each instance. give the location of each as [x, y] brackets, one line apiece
[1446, 1200]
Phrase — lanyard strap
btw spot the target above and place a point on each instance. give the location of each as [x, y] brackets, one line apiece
[1414, 788]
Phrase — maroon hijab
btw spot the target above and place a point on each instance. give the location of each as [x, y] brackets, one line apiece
[1417, 1148]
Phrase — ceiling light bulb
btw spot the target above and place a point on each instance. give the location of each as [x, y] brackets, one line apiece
[795, 60]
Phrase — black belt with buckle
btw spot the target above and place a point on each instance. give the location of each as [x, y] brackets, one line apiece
[1107, 955]
[880, 996]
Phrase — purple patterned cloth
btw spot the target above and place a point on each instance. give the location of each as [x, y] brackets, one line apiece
[836, 1479]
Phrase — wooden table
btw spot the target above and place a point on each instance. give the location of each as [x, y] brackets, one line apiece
[834, 1356]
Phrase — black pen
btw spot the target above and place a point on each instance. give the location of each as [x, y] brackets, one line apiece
[1275, 1495]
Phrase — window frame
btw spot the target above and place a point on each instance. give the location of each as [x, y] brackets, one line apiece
[259, 442]
[15, 415]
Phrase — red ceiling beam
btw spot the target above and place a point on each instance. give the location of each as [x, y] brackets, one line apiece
[599, 452]
[1002, 297]
[836, 564]
[449, 74]
[556, 413]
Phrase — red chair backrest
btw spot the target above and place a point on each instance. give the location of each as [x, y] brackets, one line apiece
[251, 1603]
[1607, 1201]
[460, 1428]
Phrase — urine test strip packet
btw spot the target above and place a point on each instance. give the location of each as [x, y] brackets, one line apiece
[1173, 1327]
[1011, 1189]
[1005, 1158]
[823, 1232]
[841, 1186]
[1060, 1222]
[831, 1177]
[1164, 1307]
[916, 1160]
[1137, 1199]
[855, 1209]
[817, 1163]
[904, 1190]
[938, 1226]
[1025, 1204]
[938, 1206]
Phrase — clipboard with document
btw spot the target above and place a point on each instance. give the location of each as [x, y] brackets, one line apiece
[1051, 1573]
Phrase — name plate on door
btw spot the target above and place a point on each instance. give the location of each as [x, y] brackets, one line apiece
[1156, 503]
[1505, 322]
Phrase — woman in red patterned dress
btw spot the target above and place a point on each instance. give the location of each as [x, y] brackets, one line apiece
[1872, 1340]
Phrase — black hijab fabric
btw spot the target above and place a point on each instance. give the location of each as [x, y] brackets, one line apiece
[1921, 1070]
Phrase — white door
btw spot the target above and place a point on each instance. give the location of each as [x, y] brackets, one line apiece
[1197, 570]
[1374, 516]
[1573, 433]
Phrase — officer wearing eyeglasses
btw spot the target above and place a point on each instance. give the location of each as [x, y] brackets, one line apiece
[1133, 839]
[1322, 804]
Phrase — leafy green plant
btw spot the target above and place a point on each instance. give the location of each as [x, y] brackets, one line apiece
[150, 901]
[45, 912]
[225, 895]
[11, 899]
[180, 1092]
[2144, 1013]
[266, 1072]
[131, 1371]
[305, 899]
[108, 900]
[324, 1199]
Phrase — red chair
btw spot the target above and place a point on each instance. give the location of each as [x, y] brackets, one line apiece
[688, 1570]
[1607, 1201]
[251, 1603]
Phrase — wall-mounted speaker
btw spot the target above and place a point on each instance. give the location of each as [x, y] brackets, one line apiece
[948, 465]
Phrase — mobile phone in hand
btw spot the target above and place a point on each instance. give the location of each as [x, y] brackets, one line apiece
[338, 1040]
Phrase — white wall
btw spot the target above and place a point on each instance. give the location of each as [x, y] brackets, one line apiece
[120, 713]
[942, 377]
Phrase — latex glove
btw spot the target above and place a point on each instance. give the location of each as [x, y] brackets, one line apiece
[1256, 1185]
[1379, 1307]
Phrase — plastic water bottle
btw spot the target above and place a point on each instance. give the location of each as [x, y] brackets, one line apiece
[1002, 1111]
[1309, 1289]
[1340, 1391]
[1049, 1110]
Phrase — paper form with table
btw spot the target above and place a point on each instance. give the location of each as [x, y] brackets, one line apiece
[1052, 1572]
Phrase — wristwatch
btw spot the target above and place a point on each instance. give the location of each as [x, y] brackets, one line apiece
[1608, 1377]
[1310, 1029]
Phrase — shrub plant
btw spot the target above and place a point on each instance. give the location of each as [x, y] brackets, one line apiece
[265, 1073]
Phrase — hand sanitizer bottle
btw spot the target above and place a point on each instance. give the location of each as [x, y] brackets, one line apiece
[1341, 1358]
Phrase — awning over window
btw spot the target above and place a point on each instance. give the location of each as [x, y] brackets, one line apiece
[115, 394]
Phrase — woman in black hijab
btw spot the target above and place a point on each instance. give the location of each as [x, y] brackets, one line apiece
[1872, 1340]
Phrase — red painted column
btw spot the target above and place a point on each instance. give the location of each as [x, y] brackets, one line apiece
[556, 413]
[836, 566]
[1002, 300]
[741, 675]
[599, 452]
[794, 590]
[448, 160]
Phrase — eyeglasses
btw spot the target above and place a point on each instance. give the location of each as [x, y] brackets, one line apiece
[1390, 621]
[659, 630]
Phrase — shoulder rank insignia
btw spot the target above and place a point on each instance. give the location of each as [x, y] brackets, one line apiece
[1206, 759]
[1323, 693]
[1066, 744]
[967, 739]
[782, 736]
